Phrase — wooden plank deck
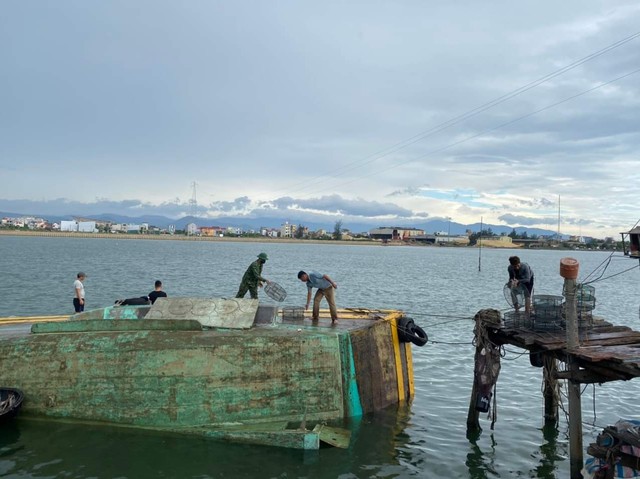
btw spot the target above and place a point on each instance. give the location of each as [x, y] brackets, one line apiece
[606, 352]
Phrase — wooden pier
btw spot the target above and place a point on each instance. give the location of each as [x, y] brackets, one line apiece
[597, 352]
[605, 353]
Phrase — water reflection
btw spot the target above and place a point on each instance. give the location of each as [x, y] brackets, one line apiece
[480, 464]
[552, 453]
[39, 448]
[549, 453]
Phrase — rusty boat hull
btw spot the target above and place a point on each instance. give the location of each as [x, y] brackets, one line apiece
[261, 380]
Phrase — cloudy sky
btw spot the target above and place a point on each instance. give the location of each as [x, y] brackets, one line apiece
[360, 110]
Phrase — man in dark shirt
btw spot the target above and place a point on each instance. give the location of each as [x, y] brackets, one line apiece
[521, 274]
[157, 293]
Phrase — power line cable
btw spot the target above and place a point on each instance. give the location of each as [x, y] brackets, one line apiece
[489, 130]
[469, 114]
[613, 275]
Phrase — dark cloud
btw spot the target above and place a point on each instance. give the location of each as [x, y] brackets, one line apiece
[63, 206]
[336, 204]
[409, 191]
[516, 220]
[315, 208]
[239, 204]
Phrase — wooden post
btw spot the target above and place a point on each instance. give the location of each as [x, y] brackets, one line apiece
[569, 271]
[550, 388]
[473, 416]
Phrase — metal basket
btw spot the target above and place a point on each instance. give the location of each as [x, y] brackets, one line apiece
[548, 324]
[292, 313]
[585, 318]
[547, 308]
[275, 291]
[585, 292]
[517, 320]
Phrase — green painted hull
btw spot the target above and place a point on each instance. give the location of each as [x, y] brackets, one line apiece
[254, 385]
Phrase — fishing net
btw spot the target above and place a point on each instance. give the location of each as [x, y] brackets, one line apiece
[514, 295]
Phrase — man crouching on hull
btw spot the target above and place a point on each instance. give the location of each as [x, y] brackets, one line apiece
[326, 288]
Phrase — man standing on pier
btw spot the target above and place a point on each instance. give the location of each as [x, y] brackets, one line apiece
[326, 288]
[521, 274]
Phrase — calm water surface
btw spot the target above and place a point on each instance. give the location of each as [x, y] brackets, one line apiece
[440, 287]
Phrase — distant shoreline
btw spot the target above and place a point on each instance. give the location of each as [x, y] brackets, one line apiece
[224, 239]
[120, 236]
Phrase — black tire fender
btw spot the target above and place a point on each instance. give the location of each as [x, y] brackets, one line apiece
[405, 328]
[419, 336]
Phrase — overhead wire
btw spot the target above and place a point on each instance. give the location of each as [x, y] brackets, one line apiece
[488, 130]
[465, 116]
[614, 275]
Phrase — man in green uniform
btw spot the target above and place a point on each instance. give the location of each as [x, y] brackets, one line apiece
[252, 278]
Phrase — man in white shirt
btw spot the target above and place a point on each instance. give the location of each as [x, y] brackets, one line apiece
[78, 300]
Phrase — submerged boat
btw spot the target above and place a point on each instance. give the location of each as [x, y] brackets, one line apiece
[220, 368]
[10, 403]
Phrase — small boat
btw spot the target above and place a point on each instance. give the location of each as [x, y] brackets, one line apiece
[228, 369]
[10, 403]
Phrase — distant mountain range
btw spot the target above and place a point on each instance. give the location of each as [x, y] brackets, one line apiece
[430, 226]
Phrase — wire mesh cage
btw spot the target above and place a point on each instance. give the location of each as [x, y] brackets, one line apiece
[292, 313]
[514, 295]
[517, 320]
[585, 297]
[548, 324]
[585, 304]
[275, 291]
[548, 312]
[585, 318]
[547, 306]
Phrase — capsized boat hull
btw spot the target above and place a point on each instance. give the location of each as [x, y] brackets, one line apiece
[174, 375]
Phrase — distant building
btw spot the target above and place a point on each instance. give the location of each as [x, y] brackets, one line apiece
[191, 229]
[287, 230]
[212, 231]
[87, 227]
[395, 233]
[632, 247]
[497, 242]
[444, 238]
[68, 226]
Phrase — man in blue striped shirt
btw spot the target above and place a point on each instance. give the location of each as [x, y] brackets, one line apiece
[326, 288]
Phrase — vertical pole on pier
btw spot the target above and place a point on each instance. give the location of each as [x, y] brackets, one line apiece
[480, 247]
[473, 415]
[569, 271]
[550, 388]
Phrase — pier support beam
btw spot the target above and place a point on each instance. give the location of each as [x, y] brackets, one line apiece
[569, 271]
[550, 390]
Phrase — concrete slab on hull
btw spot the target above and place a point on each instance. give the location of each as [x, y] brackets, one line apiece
[236, 313]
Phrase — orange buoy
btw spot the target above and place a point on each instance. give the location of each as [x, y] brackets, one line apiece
[569, 268]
